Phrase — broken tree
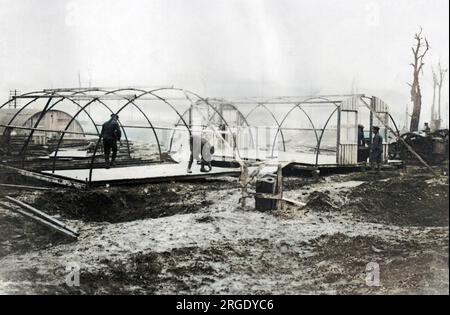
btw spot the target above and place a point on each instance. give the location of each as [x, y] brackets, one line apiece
[419, 51]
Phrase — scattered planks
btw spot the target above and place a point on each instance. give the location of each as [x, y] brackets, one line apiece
[281, 198]
[39, 217]
[42, 177]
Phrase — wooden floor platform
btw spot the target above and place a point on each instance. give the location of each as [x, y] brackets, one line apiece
[141, 174]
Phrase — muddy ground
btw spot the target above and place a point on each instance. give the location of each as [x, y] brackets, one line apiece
[193, 237]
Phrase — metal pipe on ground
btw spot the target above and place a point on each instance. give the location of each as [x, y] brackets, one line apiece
[24, 187]
[39, 217]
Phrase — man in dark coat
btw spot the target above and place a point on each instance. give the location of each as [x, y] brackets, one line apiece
[111, 134]
[376, 150]
[200, 150]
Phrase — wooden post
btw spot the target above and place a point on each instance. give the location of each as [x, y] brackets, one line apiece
[279, 189]
[243, 181]
[338, 137]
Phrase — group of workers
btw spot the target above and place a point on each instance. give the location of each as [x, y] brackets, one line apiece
[375, 148]
[200, 149]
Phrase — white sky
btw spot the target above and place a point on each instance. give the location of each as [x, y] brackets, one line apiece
[224, 47]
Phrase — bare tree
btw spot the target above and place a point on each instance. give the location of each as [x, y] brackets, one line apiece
[419, 51]
[433, 104]
[438, 81]
[438, 78]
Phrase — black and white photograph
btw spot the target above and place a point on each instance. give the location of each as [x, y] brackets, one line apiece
[224, 148]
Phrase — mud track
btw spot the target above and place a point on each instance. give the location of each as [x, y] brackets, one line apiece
[193, 238]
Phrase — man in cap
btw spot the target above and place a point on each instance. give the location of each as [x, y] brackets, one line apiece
[111, 134]
[376, 150]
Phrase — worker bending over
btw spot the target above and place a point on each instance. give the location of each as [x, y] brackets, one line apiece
[202, 151]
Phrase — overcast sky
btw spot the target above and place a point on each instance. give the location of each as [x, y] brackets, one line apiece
[223, 47]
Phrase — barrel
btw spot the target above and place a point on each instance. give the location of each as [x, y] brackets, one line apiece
[266, 185]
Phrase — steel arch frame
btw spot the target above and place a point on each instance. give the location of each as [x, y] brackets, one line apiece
[153, 93]
[136, 97]
[54, 97]
[45, 110]
[64, 97]
[67, 127]
[20, 109]
[22, 95]
[123, 128]
[42, 114]
[241, 115]
[323, 131]
[274, 118]
[209, 122]
[211, 106]
[299, 106]
[395, 124]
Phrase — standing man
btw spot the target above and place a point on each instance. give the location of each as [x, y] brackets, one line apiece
[426, 128]
[201, 150]
[376, 150]
[111, 134]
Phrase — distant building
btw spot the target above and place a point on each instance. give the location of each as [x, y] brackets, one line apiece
[53, 120]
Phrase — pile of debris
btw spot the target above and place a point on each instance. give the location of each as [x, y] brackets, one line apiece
[418, 200]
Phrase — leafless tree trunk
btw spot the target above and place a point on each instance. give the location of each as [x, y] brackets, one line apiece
[441, 78]
[419, 51]
[433, 105]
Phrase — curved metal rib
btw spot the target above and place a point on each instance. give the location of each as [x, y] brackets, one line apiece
[321, 135]
[68, 97]
[129, 102]
[173, 132]
[241, 115]
[274, 118]
[213, 108]
[146, 118]
[395, 125]
[298, 105]
[27, 141]
[46, 109]
[18, 113]
[29, 93]
[67, 127]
